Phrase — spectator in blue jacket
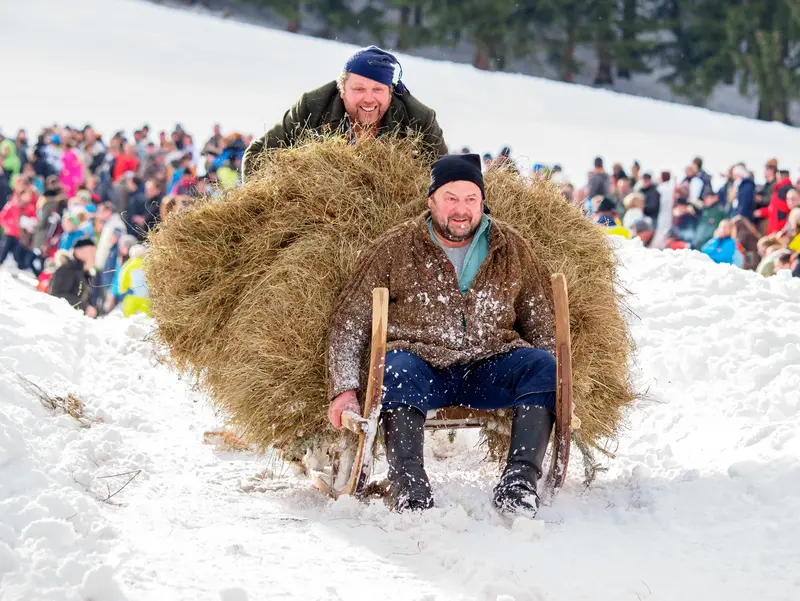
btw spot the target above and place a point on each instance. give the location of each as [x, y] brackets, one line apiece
[722, 248]
[745, 202]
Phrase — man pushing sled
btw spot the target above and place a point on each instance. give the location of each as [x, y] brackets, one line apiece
[470, 323]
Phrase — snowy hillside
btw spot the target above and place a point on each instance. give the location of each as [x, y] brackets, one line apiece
[120, 63]
[701, 502]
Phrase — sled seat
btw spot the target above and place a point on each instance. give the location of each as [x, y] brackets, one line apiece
[355, 464]
[454, 418]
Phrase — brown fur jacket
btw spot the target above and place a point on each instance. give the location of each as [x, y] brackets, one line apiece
[508, 306]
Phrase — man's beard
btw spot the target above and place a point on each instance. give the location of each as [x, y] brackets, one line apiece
[456, 234]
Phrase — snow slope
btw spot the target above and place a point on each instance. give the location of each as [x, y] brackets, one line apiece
[700, 503]
[120, 63]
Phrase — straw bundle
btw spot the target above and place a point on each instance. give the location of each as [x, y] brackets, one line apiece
[243, 287]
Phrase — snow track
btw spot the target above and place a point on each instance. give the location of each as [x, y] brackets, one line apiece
[700, 503]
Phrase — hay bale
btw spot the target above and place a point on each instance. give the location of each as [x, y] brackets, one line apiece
[243, 288]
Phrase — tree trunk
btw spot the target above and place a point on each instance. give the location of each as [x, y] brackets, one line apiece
[418, 16]
[628, 38]
[402, 33]
[604, 64]
[481, 59]
[569, 55]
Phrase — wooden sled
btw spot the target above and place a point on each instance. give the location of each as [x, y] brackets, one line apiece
[353, 468]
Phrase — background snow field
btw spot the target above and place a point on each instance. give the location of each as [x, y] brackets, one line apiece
[250, 75]
[700, 503]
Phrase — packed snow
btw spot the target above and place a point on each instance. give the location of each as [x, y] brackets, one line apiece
[121, 63]
[701, 501]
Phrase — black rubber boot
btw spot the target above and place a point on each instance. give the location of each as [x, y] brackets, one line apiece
[404, 435]
[530, 434]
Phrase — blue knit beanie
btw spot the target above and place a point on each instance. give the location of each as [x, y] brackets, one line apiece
[377, 65]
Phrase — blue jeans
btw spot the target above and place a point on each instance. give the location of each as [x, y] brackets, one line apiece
[521, 377]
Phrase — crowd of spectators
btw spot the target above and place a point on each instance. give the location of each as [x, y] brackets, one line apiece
[75, 209]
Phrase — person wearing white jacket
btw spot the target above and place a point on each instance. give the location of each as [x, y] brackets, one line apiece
[107, 239]
[664, 222]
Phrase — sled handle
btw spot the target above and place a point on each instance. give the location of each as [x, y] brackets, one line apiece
[353, 422]
[372, 399]
[565, 406]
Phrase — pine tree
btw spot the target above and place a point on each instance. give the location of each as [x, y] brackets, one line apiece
[602, 14]
[492, 26]
[699, 55]
[409, 29]
[765, 39]
[291, 10]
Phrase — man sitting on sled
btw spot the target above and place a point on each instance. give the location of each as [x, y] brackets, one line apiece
[470, 323]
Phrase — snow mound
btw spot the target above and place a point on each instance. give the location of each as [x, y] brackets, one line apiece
[700, 502]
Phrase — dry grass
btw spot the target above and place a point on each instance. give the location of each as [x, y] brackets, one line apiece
[59, 405]
[243, 287]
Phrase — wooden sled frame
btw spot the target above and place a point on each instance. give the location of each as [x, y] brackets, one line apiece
[352, 473]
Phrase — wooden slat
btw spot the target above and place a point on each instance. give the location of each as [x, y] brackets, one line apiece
[372, 399]
[453, 418]
[564, 401]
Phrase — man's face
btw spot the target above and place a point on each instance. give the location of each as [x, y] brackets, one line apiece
[769, 174]
[710, 200]
[624, 187]
[365, 100]
[645, 236]
[150, 189]
[86, 254]
[456, 210]
[723, 229]
[104, 214]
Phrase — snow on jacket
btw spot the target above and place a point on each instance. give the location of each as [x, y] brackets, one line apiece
[724, 250]
[777, 211]
[71, 172]
[105, 240]
[508, 306]
[11, 214]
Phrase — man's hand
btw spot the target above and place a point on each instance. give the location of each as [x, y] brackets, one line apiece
[91, 311]
[346, 401]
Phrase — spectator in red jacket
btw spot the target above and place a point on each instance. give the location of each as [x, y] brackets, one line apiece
[21, 208]
[124, 162]
[778, 209]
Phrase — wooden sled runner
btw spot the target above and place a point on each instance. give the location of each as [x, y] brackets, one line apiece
[352, 470]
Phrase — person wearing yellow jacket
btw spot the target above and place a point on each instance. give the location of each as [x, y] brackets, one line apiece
[606, 217]
[133, 284]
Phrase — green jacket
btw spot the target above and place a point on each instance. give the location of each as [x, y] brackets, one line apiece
[707, 223]
[322, 110]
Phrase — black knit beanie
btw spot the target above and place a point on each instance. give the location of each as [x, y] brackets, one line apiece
[456, 168]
